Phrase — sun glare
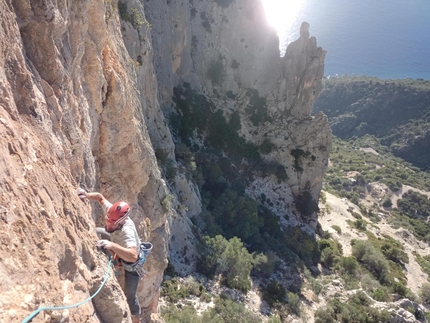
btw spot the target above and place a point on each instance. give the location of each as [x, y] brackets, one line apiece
[281, 13]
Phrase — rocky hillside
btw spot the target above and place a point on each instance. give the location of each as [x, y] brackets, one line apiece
[394, 111]
[373, 263]
[86, 91]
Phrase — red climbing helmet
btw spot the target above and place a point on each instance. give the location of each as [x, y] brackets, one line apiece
[118, 211]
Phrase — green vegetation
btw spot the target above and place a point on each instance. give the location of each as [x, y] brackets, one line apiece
[206, 24]
[166, 203]
[395, 112]
[424, 262]
[222, 175]
[370, 254]
[240, 234]
[274, 293]
[216, 71]
[425, 293]
[306, 204]
[135, 17]
[299, 155]
[349, 158]
[376, 265]
[228, 258]
[174, 291]
[331, 252]
[235, 64]
[225, 311]
[337, 228]
[414, 205]
[353, 169]
[257, 108]
[357, 309]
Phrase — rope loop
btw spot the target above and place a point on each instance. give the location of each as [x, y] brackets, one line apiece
[56, 308]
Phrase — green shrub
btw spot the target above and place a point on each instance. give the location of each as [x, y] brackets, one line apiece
[274, 293]
[236, 214]
[182, 152]
[238, 264]
[387, 202]
[205, 297]
[170, 170]
[266, 146]
[372, 259]
[235, 64]
[228, 258]
[216, 71]
[171, 290]
[356, 215]
[135, 17]
[166, 203]
[274, 319]
[264, 264]
[331, 251]
[348, 265]
[357, 310]
[162, 156]
[230, 311]
[306, 204]
[414, 205]
[391, 249]
[337, 228]
[173, 314]
[257, 108]
[425, 293]
[399, 288]
[302, 244]
[294, 303]
[170, 269]
[325, 315]
[360, 224]
[315, 285]
[381, 294]
[174, 291]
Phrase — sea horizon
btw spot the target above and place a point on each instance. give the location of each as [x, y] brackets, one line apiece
[384, 39]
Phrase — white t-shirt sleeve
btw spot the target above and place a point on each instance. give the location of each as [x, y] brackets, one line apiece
[130, 235]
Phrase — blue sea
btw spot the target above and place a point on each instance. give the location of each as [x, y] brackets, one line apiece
[388, 39]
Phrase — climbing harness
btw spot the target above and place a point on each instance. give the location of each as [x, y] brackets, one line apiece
[145, 249]
[56, 308]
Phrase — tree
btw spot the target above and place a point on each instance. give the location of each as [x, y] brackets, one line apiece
[425, 293]
[228, 258]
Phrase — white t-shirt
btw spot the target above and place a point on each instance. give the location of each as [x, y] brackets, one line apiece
[126, 236]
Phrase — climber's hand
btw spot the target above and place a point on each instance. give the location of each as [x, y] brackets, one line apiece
[81, 193]
[104, 244]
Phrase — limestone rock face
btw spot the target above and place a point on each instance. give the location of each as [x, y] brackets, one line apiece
[71, 116]
[190, 37]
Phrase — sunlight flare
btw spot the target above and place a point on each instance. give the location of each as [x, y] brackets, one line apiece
[281, 14]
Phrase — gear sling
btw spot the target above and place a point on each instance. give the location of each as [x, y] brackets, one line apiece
[137, 266]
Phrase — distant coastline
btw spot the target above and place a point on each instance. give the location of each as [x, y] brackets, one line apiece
[382, 39]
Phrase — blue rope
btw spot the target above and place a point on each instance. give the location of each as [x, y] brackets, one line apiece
[54, 308]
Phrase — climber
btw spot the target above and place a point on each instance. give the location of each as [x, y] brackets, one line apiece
[123, 244]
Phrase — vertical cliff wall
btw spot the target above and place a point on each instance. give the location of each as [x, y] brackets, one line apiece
[71, 115]
[191, 37]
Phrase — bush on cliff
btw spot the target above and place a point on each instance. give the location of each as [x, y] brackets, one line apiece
[228, 258]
